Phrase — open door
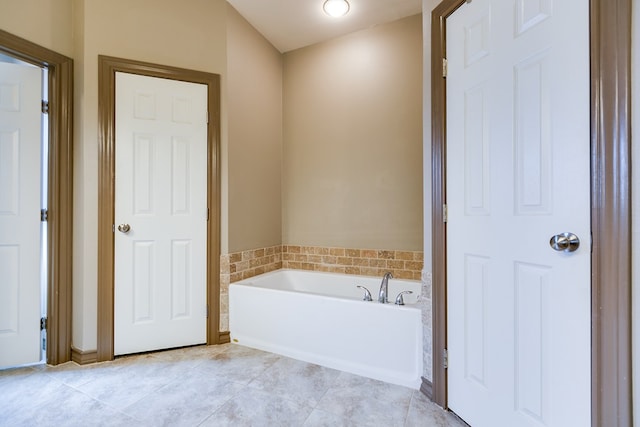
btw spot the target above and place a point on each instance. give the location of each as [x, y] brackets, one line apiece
[518, 225]
[20, 195]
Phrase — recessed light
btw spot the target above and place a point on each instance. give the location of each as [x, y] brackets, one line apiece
[336, 8]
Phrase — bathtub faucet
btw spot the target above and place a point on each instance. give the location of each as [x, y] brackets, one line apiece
[384, 288]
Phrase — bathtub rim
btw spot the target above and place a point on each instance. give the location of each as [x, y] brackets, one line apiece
[374, 292]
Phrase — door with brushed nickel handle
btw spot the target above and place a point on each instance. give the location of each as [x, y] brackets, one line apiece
[160, 260]
[517, 154]
[124, 228]
[565, 242]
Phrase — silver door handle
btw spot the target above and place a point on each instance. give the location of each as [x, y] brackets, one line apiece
[565, 242]
[124, 228]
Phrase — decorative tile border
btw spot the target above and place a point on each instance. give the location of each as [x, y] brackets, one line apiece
[243, 265]
[365, 262]
[425, 303]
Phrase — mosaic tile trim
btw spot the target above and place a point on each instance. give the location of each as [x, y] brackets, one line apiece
[365, 262]
[243, 265]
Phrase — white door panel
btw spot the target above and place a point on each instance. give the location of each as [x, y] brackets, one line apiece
[517, 174]
[161, 172]
[20, 157]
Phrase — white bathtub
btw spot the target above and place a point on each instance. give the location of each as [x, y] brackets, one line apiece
[321, 318]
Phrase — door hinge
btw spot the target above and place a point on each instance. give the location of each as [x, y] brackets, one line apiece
[445, 213]
[207, 311]
[445, 358]
[207, 214]
[444, 67]
[43, 323]
[45, 107]
[44, 215]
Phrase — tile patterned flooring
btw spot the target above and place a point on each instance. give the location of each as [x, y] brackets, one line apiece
[227, 385]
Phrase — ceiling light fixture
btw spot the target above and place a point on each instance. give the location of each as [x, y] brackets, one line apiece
[336, 8]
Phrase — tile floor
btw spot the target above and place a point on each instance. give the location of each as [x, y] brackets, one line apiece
[225, 385]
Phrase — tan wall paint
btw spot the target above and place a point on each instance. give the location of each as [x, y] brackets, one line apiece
[188, 34]
[254, 79]
[353, 140]
[44, 22]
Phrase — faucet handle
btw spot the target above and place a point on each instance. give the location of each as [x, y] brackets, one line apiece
[400, 298]
[367, 294]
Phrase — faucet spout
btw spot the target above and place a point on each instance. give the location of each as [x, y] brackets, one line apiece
[383, 295]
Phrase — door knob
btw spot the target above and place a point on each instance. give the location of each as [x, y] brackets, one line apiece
[565, 242]
[124, 228]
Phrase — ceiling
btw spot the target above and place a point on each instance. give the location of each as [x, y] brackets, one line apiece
[292, 24]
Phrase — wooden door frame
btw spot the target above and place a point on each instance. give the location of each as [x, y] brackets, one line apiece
[107, 68]
[60, 194]
[610, 59]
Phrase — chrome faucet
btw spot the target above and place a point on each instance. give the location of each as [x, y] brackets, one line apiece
[384, 288]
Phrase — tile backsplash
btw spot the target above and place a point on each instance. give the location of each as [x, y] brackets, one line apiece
[364, 262]
[243, 265]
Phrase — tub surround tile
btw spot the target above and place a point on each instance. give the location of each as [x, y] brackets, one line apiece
[365, 262]
[247, 262]
[374, 262]
[224, 320]
[425, 303]
[238, 266]
[405, 255]
[337, 251]
[243, 265]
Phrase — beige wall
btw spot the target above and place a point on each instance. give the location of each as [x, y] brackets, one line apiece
[187, 34]
[254, 84]
[44, 22]
[353, 140]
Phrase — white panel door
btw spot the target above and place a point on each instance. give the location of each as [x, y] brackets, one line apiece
[518, 174]
[20, 157]
[161, 214]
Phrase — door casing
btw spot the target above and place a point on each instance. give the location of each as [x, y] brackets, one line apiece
[107, 68]
[610, 57]
[60, 195]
